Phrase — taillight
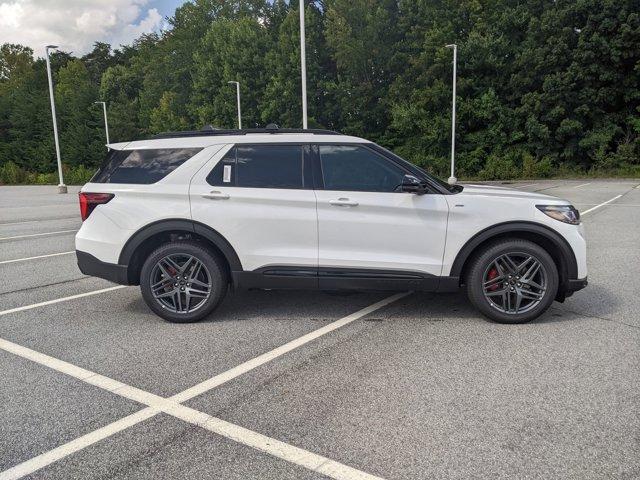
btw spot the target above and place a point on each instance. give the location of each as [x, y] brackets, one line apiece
[89, 201]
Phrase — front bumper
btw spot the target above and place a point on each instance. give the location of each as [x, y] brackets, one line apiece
[90, 265]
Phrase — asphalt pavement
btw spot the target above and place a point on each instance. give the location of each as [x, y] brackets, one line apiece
[309, 385]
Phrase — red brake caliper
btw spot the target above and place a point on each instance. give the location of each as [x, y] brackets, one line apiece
[493, 273]
[169, 281]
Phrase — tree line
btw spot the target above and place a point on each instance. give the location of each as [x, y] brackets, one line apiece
[544, 86]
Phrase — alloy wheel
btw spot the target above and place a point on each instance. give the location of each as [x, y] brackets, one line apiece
[514, 283]
[180, 283]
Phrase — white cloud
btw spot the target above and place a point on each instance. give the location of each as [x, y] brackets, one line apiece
[75, 25]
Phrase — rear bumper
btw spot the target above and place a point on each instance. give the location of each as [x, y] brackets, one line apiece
[90, 265]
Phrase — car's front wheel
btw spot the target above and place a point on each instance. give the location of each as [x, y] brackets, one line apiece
[512, 281]
[183, 281]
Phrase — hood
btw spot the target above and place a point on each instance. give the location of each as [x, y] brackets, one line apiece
[505, 192]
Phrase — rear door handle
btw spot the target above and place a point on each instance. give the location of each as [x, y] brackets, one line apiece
[343, 202]
[215, 195]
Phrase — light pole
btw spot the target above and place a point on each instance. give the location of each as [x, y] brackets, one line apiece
[106, 123]
[303, 66]
[452, 178]
[62, 188]
[238, 99]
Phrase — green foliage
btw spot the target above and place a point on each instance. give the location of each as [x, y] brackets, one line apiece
[80, 121]
[12, 174]
[544, 88]
[498, 168]
[232, 49]
[362, 36]
[78, 175]
[282, 97]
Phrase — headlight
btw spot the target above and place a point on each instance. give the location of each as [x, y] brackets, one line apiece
[563, 213]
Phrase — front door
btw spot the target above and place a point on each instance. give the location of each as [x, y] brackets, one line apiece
[366, 223]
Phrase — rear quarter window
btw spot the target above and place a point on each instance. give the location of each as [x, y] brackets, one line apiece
[142, 166]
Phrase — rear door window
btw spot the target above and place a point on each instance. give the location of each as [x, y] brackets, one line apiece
[260, 166]
[142, 166]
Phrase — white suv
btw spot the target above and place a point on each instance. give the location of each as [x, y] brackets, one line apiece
[187, 215]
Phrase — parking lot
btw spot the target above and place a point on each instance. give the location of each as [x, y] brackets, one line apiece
[288, 384]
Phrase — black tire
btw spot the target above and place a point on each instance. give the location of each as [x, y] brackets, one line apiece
[211, 271]
[494, 288]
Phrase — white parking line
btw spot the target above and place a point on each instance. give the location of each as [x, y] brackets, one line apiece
[612, 205]
[583, 185]
[59, 300]
[36, 257]
[19, 223]
[37, 234]
[277, 352]
[39, 221]
[172, 406]
[47, 458]
[600, 205]
[527, 185]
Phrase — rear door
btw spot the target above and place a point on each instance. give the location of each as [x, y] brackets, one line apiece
[366, 223]
[261, 199]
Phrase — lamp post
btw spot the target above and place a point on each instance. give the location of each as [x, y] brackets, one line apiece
[106, 123]
[238, 100]
[62, 188]
[303, 66]
[452, 179]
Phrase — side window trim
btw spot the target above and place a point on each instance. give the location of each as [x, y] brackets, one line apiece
[320, 174]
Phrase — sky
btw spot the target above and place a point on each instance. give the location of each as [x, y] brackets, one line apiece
[74, 25]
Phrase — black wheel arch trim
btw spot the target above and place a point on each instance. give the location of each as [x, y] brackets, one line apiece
[566, 252]
[169, 225]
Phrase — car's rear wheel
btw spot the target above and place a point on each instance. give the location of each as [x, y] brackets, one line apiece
[183, 281]
[512, 281]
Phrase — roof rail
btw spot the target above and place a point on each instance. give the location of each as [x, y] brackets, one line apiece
[247, 131]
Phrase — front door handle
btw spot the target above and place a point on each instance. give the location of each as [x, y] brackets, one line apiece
[215, 195]
[343, 202]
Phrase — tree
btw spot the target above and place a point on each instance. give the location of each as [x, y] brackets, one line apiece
[16, 62]
[31, 135]
[98, 60]
[542, 86]
[232, 49]
[362, 37]
[81, 136]
[119, 87]
[283, 92]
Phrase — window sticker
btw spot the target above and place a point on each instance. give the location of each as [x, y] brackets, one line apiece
[226, 174]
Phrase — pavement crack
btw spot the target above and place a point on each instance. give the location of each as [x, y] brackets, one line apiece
[546, 188]
[43, 286]
[612, 320]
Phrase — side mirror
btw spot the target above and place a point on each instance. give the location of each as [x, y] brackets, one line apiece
[411, 184]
